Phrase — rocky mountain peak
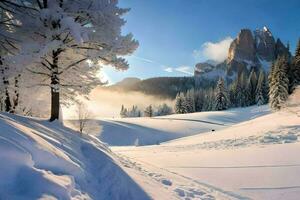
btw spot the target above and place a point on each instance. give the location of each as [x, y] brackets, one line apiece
[254, 50]
[242, 48]
[249, 50]
[265, 44]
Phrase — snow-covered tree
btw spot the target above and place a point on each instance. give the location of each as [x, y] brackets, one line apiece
[251, 87]
[163, 109]
[179, 103]
[261, 89]
[199, 100]
[134, 112]
[148, 111]
[279, 84]
[209, 100]
[123, 112]
[296, 65]
[243, 91]
[189, 101]
[221, 97]
[69, 42]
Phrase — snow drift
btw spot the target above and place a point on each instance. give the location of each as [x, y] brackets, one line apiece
[42, 160]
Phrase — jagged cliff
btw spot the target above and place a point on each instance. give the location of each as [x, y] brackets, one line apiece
[248, 50]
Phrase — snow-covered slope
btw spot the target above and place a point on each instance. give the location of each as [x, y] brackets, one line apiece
[147, 131]
[255, 159]
[42, 160]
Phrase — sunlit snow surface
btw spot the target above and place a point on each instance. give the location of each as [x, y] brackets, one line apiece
[147, 131]
[251, 154]
[254, 159]
[42, 160]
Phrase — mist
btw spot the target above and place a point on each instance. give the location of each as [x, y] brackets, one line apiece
[105, 103]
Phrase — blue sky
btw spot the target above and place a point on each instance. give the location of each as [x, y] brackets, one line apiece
[175, 34]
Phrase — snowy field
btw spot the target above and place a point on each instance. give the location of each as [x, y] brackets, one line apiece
[148, 131]
[251, 154]
[255, 159]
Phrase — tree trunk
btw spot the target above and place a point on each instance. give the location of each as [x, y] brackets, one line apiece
[55, 87]
[7, 99]
[7, 103]
[17, 94]
[54, 105]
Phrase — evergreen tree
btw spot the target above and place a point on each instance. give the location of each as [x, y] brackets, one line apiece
[134, 112]
[221, 99]
[296, 65]
[163, 109]
[233, 87]
[190, 101]
[251, 87]
[148, 111]
[261, 89]
[208, 100]
[123, 112]
[199, 98]
[242, 91]
[179, 103]
[279, 83]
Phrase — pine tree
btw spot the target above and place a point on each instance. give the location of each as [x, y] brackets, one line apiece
[233, 87]
[251, 87]
[163, 109]
[242, 93]
[296, 65]
[179, 103]
[123, 113]
[221, 99]
[279, 83]
[199, 98]
[207, 100]
[148, 111]
[190, 101]
[261, 89]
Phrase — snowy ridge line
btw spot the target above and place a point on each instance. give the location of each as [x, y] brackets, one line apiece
[235, 167]
[193, 120]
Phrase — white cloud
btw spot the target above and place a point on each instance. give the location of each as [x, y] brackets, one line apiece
[185, 70]
[169, 69]
[144, 59]
[213, 51]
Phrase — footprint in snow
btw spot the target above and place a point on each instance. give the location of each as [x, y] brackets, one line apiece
[166, 182]
[180, 192]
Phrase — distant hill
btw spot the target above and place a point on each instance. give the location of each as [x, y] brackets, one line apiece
[164, 87]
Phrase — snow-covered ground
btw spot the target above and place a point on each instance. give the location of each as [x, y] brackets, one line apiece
[254, 159]
[42, 160]
[251, 154]
[147, 131]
